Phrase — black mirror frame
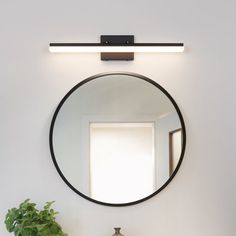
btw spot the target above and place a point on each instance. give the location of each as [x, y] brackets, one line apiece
[88, 80]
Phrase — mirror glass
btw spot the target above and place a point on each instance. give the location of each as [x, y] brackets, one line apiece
[117, 139]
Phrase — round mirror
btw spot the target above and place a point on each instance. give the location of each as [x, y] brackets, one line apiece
[117, 138]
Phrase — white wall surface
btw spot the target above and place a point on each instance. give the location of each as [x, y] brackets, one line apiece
[201, 198]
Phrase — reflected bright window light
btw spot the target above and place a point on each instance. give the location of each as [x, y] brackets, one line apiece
[127, 148]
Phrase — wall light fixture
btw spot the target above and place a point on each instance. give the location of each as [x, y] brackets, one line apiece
[115, 47]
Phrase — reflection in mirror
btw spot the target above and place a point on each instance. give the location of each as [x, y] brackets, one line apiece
[117, 139]
[115, 150]
[175, 144]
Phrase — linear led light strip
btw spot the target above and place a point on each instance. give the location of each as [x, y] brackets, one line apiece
[97, 47]
[115, 47]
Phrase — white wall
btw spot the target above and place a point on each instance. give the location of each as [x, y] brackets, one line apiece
[201, 198]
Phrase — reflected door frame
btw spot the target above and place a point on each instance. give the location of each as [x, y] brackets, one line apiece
[171, 161]
[88, 119]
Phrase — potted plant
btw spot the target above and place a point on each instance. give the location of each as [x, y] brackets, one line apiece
[26, 220]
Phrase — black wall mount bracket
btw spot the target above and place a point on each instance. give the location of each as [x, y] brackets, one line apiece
[117, 40]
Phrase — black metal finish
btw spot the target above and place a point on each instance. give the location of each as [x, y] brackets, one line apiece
[96, 77]
[118, 45]
[117, 40]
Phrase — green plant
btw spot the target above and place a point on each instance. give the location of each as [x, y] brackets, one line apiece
[26, 220]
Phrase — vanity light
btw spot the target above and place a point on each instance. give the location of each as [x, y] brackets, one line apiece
[115, 47]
